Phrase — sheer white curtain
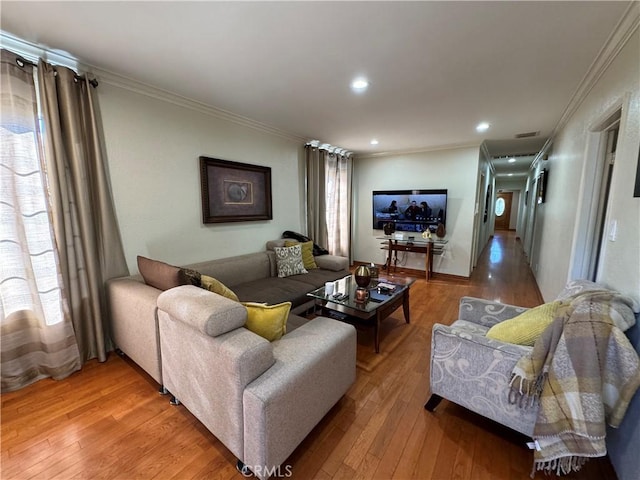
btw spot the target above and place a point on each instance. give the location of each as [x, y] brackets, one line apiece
[338, 168]
[329, 172]
[37, 336]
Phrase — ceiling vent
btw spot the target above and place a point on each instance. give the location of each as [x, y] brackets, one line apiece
[527, 134]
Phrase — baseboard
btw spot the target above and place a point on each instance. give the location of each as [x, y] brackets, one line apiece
[412, 272]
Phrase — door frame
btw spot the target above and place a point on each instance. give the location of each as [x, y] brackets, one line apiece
[590, 187]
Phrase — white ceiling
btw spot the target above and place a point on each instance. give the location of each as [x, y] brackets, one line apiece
[436, 68]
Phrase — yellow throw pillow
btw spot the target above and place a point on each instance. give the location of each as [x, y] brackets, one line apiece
[216, 286]
[526, 327]
[307, 253]
[268, 321]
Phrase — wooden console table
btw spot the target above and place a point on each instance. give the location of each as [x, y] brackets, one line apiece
[428, 247]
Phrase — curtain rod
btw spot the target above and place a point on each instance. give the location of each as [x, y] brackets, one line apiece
[21, 60]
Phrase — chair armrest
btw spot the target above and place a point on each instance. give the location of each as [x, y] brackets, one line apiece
[486, 312]
[481, 342]
[474, 371]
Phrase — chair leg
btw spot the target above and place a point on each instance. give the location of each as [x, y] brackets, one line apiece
[243, 469]
[433, 402]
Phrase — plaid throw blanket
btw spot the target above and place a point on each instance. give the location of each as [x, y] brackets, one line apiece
[583, 371]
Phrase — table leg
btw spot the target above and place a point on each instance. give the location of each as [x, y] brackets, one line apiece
[377, 333]
[405, 306]
[389, 258]
[429, 261]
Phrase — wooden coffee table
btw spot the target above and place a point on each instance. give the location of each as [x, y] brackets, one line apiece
[379, 306]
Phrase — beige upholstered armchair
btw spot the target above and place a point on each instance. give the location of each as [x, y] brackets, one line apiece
[472, 370]
[475, 371]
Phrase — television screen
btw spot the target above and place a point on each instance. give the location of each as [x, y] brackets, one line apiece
[410, 210]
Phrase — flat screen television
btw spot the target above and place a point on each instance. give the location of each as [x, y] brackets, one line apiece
[410, 210]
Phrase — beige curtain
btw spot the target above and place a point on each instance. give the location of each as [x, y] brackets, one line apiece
[339, 204]
[36, 334]
[329, 173]
[84, 222]
[316, 197]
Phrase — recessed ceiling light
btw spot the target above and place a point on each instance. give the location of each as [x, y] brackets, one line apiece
[510, 175]
[483, 127]
[374, 142]
[512, 160]
[359, 84]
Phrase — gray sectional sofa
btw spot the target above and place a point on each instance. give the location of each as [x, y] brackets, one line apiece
[260, 398]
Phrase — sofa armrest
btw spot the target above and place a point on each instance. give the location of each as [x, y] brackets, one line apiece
[208, 312]
[474, 371]
[209, 374]
[315, 366]
[332, 262]
[134, 326]
[486, 312]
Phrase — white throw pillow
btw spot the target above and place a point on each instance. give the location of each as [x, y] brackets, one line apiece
[289, 261]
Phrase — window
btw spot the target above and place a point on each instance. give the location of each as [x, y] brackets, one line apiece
[29, 279]
[500, 206]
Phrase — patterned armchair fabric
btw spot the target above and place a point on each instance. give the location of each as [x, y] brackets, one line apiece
[472, 370]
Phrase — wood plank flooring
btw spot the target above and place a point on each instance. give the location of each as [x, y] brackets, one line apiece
[109, 422]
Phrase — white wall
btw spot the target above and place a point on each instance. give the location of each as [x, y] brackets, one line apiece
[486, 177]
[153, 147]
[570, 172]
[620, 266]
[517, 187]
[453, 169]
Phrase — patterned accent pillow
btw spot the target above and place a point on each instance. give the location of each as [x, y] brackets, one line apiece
[289, 261]
[307, 253]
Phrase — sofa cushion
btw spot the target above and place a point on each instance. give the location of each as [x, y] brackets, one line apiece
[307, 253]
[289, 261]
[272, 244]
[332, 262]
[268, 321]
[317, 278]
[526, 327]
[274, 290]
[216, 286]
[238, 269]
[295, 321]
[158, 274]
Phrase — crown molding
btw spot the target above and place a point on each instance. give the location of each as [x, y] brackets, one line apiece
[120, 81]
[436, 148]
[33, 52]
[625, 28]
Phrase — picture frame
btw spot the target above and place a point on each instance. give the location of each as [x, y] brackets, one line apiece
[541, 186]
[234, 191]
[636, 190]
[487, 203]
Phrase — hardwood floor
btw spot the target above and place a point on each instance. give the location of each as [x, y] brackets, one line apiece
[108, 421]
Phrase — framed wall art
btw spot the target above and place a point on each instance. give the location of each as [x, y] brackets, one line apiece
[234, 192]
[541, 187]
[636, 190]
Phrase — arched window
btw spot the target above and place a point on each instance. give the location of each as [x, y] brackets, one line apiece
[500, 205]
